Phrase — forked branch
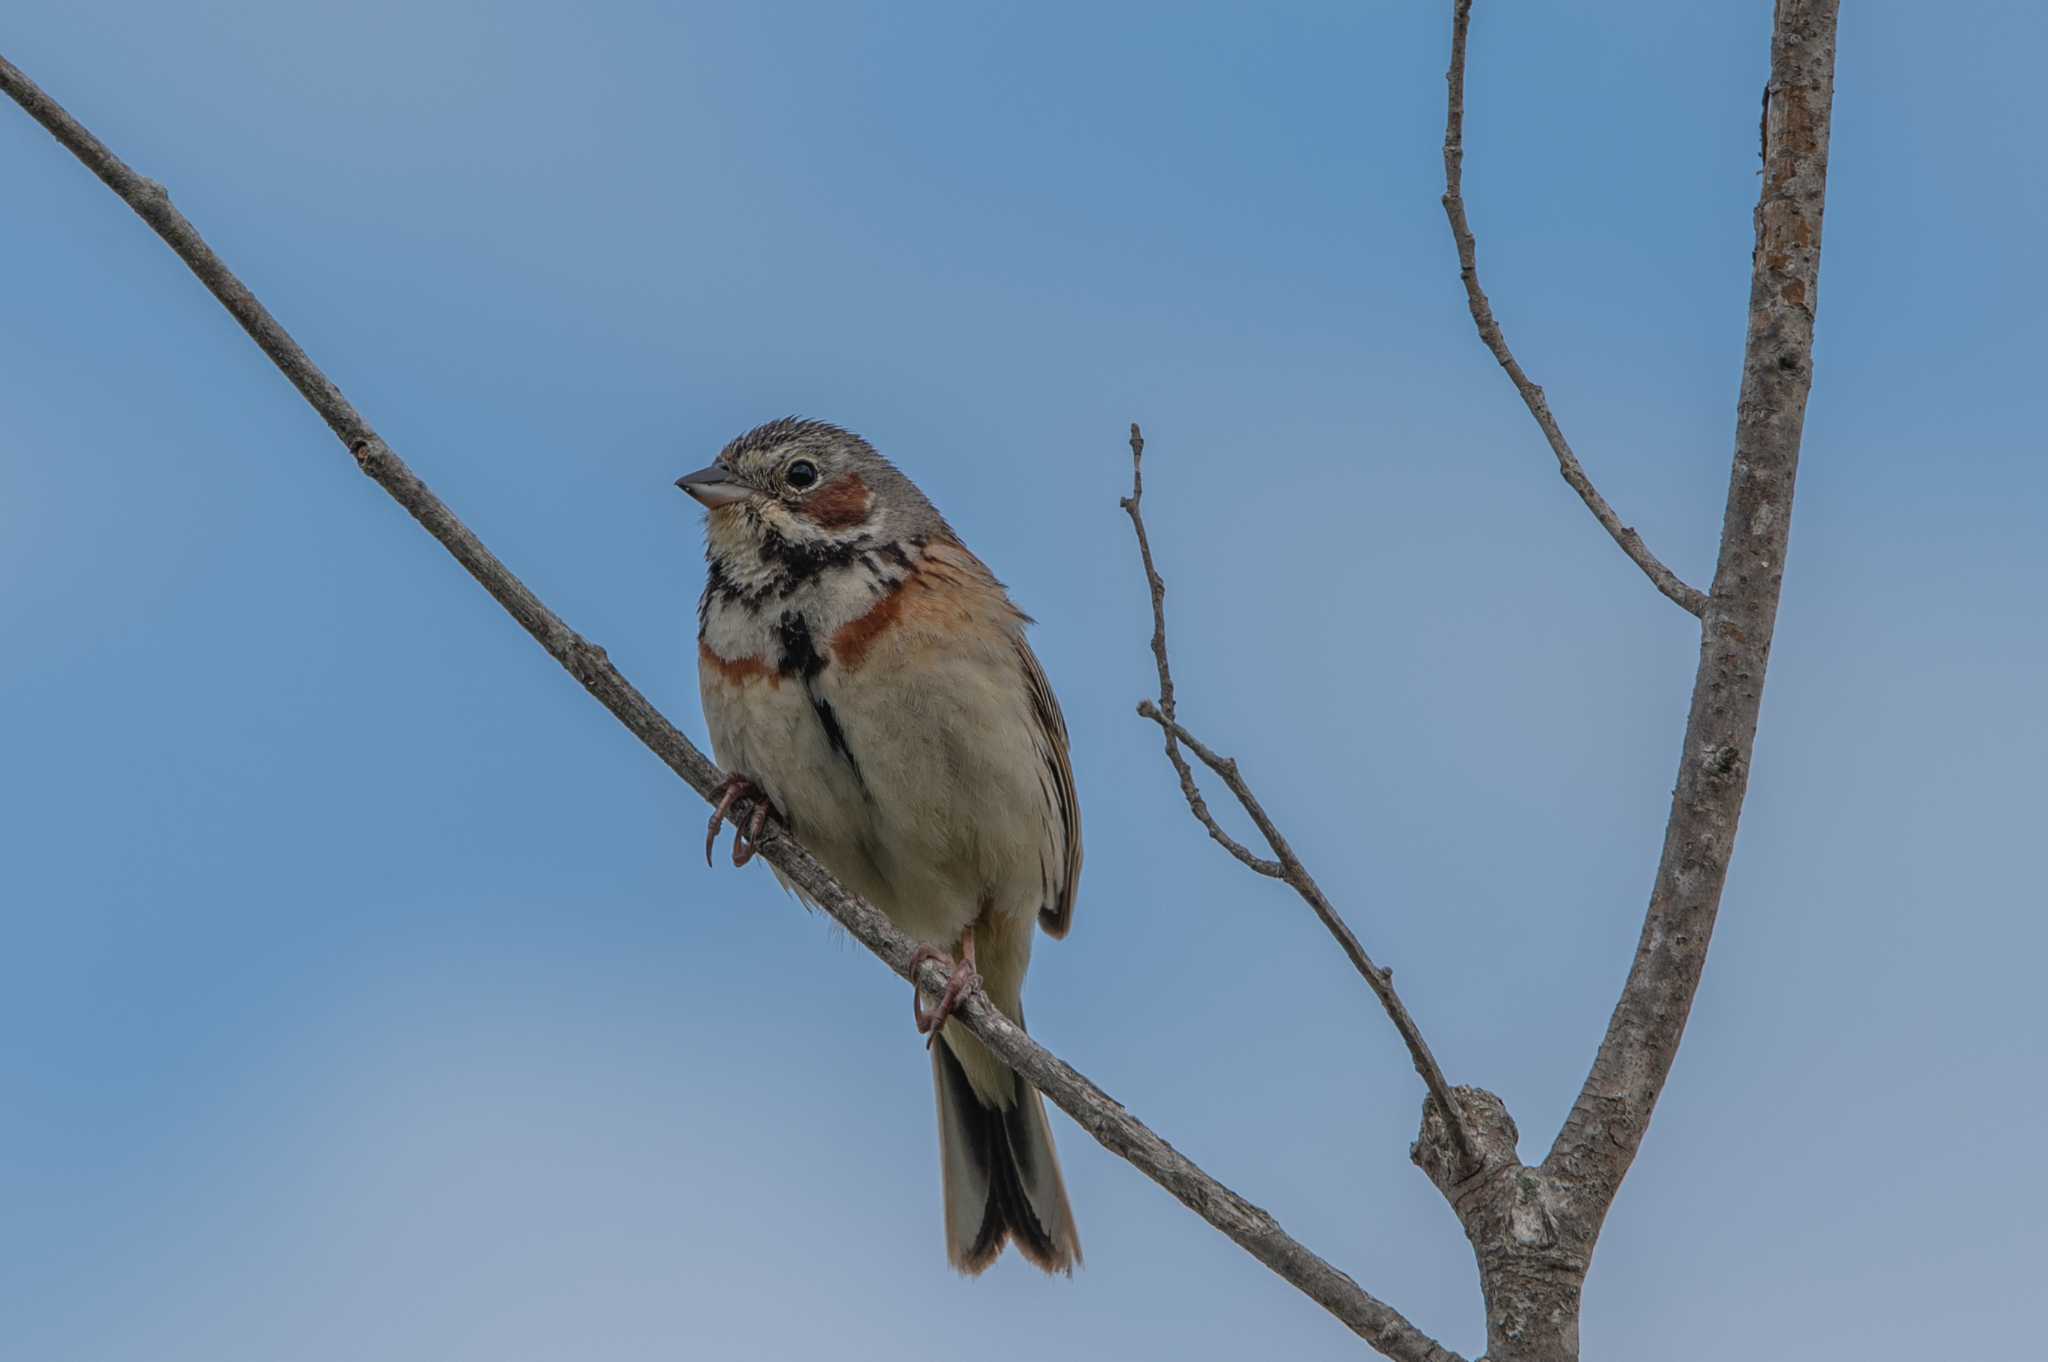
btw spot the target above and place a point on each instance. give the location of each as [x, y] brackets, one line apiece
[1665, 580]
[1284, 866]
[1094, 1110]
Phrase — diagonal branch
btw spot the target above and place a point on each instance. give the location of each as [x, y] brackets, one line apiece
[1688, 597]
[1285, 866]
[1606, 1125]
[1094, 1110]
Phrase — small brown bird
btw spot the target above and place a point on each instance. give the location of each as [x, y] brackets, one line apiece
[869, 677]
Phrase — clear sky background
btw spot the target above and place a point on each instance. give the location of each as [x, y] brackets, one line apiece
[364, 993]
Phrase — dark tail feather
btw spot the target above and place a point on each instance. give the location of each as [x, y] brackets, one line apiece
[1002, 1176]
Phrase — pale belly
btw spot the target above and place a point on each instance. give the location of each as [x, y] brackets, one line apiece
[928, 804]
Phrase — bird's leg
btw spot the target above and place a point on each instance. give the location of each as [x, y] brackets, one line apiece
[746, 839]
[963, 979]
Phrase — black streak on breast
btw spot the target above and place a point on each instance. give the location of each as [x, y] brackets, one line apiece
[800, 659]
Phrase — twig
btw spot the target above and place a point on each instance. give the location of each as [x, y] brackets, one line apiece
[1688, 597]
[1101, 1116]
[1285, 866]
[1157, 585]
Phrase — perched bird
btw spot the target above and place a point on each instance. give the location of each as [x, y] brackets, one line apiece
[868, 676]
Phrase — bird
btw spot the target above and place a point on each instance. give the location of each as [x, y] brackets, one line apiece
[867, 682]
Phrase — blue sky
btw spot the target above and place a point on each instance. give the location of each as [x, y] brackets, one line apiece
[365, 993]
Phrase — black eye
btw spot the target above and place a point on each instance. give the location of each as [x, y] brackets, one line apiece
[800, 474]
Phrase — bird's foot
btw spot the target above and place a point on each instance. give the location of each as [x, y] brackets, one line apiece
[746, 831]
[961, 980]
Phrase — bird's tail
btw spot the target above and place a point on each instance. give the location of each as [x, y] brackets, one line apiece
[1002, 1175]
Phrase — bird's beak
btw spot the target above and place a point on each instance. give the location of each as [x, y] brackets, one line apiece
[713, 486]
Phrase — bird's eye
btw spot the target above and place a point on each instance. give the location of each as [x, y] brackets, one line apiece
[800, 474]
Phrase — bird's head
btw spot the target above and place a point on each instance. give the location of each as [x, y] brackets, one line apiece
[805, 487]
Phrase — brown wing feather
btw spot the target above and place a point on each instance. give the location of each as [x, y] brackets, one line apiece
[1057, 913]
[1062, 863]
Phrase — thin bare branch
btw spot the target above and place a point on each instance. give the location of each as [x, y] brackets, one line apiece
[1285, 866]
[1379, 980]
[1190, 790]
[1095, 1111]
[1688, 597]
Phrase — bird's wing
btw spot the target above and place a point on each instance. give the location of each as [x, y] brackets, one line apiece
[1062, 855]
